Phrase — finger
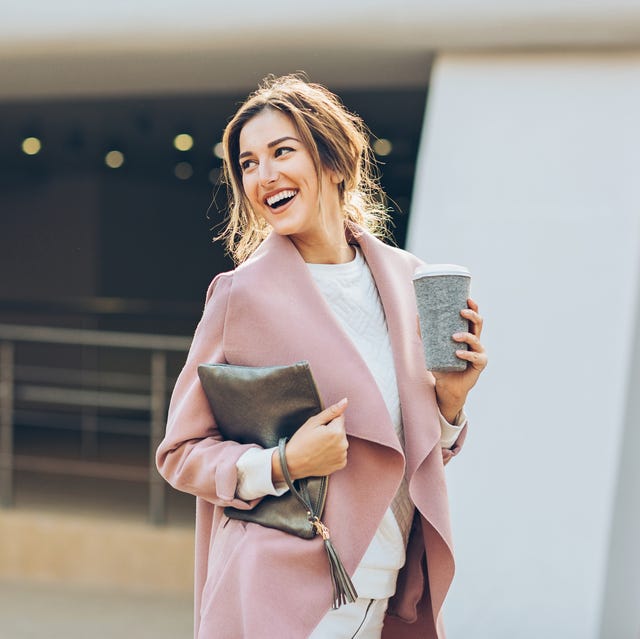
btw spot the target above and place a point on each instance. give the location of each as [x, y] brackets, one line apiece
[338, 425]
[471, 340]
[471, 315]
[475, 319]
[330, 413]
[478, 360]
[472, 304]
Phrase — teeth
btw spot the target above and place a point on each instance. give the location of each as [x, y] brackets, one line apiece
[280, 196]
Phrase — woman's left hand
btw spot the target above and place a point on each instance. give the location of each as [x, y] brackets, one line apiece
[452, 388]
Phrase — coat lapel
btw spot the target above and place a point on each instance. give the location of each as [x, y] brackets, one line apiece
[420, 415]
[415, 385]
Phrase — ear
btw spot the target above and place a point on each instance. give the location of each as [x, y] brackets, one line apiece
[336, 177]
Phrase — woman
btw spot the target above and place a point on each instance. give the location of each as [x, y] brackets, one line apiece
[315, 284]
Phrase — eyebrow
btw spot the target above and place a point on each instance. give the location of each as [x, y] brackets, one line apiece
[271, 144]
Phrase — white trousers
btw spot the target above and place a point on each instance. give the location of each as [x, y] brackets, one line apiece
[361, 619]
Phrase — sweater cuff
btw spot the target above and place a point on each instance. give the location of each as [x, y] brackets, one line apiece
[449, 433]
[254, 475]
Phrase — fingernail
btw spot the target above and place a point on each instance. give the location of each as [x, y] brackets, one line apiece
[458, 335]
[342, 402]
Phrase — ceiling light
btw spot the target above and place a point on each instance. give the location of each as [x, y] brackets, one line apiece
[114, 159]
[183, 170]
[183, 142]
[31, 146]
[382, 146]
[218, 150]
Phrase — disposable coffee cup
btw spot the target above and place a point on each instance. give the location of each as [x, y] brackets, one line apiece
[442, 291]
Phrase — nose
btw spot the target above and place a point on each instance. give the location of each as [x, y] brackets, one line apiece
[268, 173]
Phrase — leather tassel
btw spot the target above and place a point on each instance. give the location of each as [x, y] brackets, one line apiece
[343, 589]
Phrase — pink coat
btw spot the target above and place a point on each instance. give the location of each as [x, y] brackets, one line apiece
[256, 582]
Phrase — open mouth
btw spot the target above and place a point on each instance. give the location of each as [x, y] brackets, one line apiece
[280, 199]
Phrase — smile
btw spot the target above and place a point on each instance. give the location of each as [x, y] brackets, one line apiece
[281, 198]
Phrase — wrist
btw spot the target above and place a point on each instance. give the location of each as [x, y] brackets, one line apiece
[449, 404]
[451, 415]
[277, 476]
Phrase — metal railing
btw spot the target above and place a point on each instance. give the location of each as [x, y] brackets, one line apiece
[22, 384]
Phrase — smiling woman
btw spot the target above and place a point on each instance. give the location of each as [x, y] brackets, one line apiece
[315, 284]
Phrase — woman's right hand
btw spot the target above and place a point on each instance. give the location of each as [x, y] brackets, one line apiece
[318, 447]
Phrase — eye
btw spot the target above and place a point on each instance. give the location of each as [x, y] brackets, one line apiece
[283, 150]
[246, 164]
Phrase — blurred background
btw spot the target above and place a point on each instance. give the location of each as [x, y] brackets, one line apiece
[509, 141]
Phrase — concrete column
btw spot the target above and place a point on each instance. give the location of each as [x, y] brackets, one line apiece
[528, 174]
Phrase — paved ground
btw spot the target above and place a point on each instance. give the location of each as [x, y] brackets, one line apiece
[39, 611]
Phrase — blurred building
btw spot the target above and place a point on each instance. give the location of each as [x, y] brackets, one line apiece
[509, 141]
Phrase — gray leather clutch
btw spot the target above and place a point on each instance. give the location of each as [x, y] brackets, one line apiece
[262, 405]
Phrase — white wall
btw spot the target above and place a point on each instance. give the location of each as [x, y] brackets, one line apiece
[528, 174]
[75, 47]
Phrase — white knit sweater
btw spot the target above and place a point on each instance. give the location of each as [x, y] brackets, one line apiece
[351, 292]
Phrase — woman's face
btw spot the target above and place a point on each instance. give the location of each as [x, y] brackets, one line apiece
[280, 180]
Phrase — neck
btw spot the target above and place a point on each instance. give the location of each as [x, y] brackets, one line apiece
[326, 246]
[325, 253]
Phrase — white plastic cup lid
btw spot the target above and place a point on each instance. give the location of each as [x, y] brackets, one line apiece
[432, 270]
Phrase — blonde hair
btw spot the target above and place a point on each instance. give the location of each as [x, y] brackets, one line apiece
[336, 139]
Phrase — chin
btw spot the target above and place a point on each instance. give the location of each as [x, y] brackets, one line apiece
[284, 228]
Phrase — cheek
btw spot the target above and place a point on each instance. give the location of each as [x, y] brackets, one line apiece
[248, 186]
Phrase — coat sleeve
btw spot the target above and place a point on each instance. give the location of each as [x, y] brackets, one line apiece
[193, 457]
